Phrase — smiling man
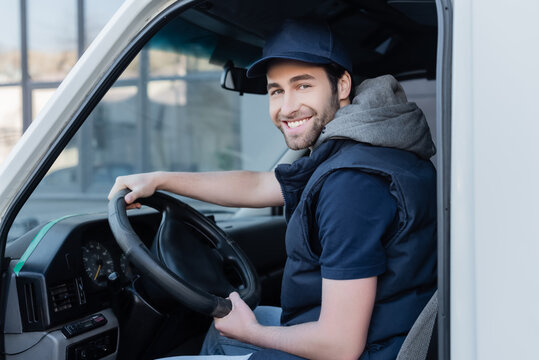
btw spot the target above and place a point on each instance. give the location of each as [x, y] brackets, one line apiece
[301, 105]
[361, 209]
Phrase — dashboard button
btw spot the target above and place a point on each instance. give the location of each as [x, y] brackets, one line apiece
[84, 325]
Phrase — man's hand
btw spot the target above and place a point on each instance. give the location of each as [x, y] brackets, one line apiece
[141, 185]
[240, 323]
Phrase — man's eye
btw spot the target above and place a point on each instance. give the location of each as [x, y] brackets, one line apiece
[304, 86]
[276, 92]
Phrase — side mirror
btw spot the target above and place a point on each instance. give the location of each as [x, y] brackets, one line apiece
[236, 79]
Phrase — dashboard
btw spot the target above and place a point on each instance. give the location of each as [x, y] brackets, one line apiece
[64, 272]
[69, 277]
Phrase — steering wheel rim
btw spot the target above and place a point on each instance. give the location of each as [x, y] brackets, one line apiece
[194, 296]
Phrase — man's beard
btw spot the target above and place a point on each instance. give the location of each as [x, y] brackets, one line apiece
[318, 122]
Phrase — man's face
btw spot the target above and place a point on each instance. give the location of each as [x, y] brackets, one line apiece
[301, 101]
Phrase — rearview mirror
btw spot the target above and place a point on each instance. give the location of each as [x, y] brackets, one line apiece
[236, 79]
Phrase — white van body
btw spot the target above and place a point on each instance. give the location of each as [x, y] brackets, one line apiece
[494, 174]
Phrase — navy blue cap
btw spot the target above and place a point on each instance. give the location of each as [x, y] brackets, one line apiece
[302, 40]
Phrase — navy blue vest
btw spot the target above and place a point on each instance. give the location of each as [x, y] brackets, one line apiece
[410, 277]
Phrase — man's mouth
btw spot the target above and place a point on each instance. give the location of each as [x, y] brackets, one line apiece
[296, 123]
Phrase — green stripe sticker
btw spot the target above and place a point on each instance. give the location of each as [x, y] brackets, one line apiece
[35, 242]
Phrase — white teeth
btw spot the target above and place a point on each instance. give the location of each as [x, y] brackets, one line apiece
[295, 124]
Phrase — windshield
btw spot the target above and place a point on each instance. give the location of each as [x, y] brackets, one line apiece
[168, 112]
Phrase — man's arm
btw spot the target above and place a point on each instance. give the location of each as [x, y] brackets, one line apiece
[226, 188]
[340, 332]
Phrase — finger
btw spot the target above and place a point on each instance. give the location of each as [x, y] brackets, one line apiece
[235, 298]
[118, 185]
[115, 188]
[133, 206]
[131, 197]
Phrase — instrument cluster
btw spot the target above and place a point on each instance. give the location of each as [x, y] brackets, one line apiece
[100, 260]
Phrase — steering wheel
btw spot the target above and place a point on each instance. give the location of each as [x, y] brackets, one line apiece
[196, 264]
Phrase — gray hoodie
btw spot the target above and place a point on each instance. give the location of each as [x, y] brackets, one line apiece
[381, 115]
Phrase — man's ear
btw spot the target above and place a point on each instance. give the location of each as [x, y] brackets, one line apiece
[344, 86]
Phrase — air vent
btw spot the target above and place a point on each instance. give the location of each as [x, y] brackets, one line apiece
[64, 296]
[31, 303]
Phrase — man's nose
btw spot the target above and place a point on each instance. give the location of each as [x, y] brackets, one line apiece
[290, 105]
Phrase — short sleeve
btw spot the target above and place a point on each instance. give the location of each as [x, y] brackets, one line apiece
[353, 213]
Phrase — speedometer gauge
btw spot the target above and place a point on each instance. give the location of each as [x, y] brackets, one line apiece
[97, 261]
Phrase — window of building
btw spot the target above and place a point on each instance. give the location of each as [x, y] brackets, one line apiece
[10, 46]
[40, 43]
[52, 39]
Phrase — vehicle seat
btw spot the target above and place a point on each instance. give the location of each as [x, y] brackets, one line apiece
[422, 340]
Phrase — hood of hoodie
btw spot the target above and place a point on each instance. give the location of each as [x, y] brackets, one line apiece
[381, 115]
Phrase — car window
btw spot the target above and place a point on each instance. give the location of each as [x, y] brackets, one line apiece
[168, 112]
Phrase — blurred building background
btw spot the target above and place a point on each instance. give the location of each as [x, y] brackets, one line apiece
[166, 111]
[40, 41]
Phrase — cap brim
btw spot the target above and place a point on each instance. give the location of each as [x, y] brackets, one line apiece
[260, 67]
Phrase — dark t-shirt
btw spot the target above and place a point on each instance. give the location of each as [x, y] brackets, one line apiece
[353, 213]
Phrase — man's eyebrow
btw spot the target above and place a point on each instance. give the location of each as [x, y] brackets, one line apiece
[300, 78]
[292, 80]
[272, 85]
